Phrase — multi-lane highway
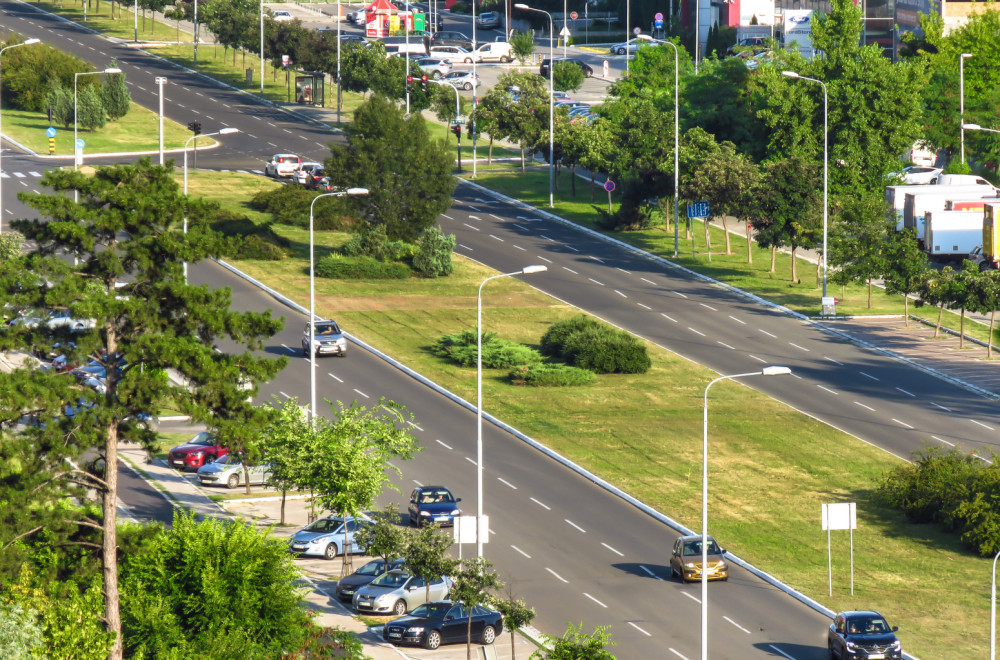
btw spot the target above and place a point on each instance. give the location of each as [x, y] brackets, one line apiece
[574, 551]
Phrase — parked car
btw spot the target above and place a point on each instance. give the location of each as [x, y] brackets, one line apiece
[302, 174]
[348, 586]
[559, 95]
[463, 79]
[923, 153]
[53, 319]
[862, 635]
[917, 174]
[748, 44]
[357, 17]
[199, 450]
[443, 621]
[588, 71]
[434, 67]
[228, 471]
[488, 20]
[282, 165]
[328, 340]
[495, 51]
[453, 53]
[451, 38]
[326, 537]
[280, 15]
[685, 560]
[397, 592]
[959, 180]
[632, 45]
[433, 504]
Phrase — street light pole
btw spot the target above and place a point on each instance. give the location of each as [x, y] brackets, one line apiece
[339, 19]
[261, 46]
[552, 105]
[977, 127]
[222, 131]
[961, 98]
[352, 192]
[826, 161]
[527, 270]
[766, 371]
[160, 82]
[26, 42]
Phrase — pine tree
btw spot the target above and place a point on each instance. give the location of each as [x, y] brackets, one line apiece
[90, 113]
[115, 96]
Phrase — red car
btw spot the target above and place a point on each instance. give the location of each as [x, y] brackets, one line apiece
[199, 450]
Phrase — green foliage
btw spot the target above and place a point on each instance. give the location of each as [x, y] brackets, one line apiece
[90, 112]
[906, 266]
[956, 166]
[434, 250]
[211, 589]
[246, 239]
[473, 583]
[859, 242]
[373, 242]
[607, 350]
[567, 76]
[381, 141]
[497, 353]
[338, 267]
[11, 245]
[516, 614]
[426, 555]
[23, 86]
[522, 44]
[115, 95]
[720, 38]
[550, 375]
[289, 205]
[950, 488]
[20, 634]
[555, 337]
[60, 102]
[386, 538]
[633, 213]
[577, 645]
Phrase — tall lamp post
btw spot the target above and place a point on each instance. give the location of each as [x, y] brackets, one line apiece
[350, 192]
[527, 270]
[826, 160]
[977, 127]
[552, 105]
[222, 131]
[766, 371]
[646, 37]
[961, 98]
[26, 42]
[993, 611]
[261, 46]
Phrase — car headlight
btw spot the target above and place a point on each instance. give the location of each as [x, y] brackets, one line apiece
[456, 512]
[851, 647]
[316, 540]
[416, 630]
[897, 646]
[689, 564]
[196, 454]
[425, 513]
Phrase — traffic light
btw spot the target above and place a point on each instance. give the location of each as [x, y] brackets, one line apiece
[195, 127]
[423, 83]
[409, 84]
[457, 130]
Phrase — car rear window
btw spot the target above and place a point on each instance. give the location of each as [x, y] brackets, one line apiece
[288, 159]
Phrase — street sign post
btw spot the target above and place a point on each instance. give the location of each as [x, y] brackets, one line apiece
[698, 209]
[609, 185]
[79, 151]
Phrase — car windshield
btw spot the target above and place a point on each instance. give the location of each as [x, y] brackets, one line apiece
[329, 328]
[228, 459]
[693, 548]
[391, 580]
[868, 626]
[372, 568]
[204, 439]
[432, 610]
[436, 496]
[324, 525]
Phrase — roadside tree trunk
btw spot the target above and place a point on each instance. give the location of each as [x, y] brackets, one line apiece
[774, 258]
[795, 270]
[708, 240]
[749, 243]
[725, 230]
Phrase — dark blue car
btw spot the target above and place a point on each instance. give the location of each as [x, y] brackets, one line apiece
[433, 504]
[443, 621]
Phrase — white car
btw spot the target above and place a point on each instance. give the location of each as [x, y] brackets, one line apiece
[280, 15]
[917, 174]
[329, 340]
[357, 17]
[453, 53]
[434, 67]
[282, 165]
[463, 80]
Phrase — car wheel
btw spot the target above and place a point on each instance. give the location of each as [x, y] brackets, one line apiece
[489, 635]
[504, 59]
[588, 74]
[468, 60]
[233, 481]
[433, 640]
[399, 609]
[305, 352]
[467, 87]
[330, 551]
[436, 75]
[833, 654]
[621, 51]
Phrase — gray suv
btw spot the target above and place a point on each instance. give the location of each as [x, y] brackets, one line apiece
[452, 38]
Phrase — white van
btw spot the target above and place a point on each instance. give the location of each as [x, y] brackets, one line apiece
[496, 51]
[960, 180]
[415, 47]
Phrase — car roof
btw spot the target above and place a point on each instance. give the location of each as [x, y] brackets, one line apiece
[852, 614]
[422, 488]
[695, 537]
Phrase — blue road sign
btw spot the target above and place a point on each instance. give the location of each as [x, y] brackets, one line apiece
[698, 209]
[658, 24]
[609, 185]
[80, 143]
[50, 132]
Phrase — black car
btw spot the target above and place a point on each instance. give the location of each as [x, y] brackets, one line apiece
[348, 586]
[862, 635]
[451, 38]
[588, 71]
[433, 504]
[443, 621]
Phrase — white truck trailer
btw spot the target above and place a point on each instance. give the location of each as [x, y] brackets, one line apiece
[952, 235]
[933, 198]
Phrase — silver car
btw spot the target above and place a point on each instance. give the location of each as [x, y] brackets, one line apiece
[328, 340]
[397, 592]
[228, 471]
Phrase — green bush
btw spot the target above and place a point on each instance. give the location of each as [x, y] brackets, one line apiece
[606, 350]
[550, 375]
[289, 205]
[245, 239]
[339, 267]
[433, 256]
[497, 353]
[252, 247]
[555, 337]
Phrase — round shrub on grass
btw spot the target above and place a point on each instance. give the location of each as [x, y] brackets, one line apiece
[338, 267]
[555, 337]
[606, 350]
[461, 348]
[550, 375]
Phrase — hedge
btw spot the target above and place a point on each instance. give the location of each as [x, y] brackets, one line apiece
[339, 267]
[606, 350]
[549, 375]
[498, 353]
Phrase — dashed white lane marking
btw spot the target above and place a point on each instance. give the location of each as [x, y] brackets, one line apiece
[620, 293]
[284, 395]
[769, 334]
[950, 444]
[474, 217]
[470, 226]
[639, 629]
[834, 361]
[708, 307]
[758, 359]
[571, 270]
[570, 247]
[575, 525]
[548, 261]
[677, 653]
[827, 389]
[668, 318]
[613, 550]
[520, 226]
[492, 215]
[334, 377]
[988, 428]
[623, 270]
[736, 624]
[520, 248]
[445, 445]
[506, 483]
[644, 306]
[864, 406]
[595, 281]
[595, 600]
[547, 238]
[902, 423]
[521, 551]
[781, 652]
[737, 320]
[801, 348]
[936, 405]
[651, 573]
[722, 343]
[469, 458]
[647, 281]
[544, 506]
[558, 577]
[362, 393]
[465, 247]
[692, 597]
[906, 393]
[445, 215]
[600, 261]
[695, 331]
[679, 294]
[497, 238]
[867, 375]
